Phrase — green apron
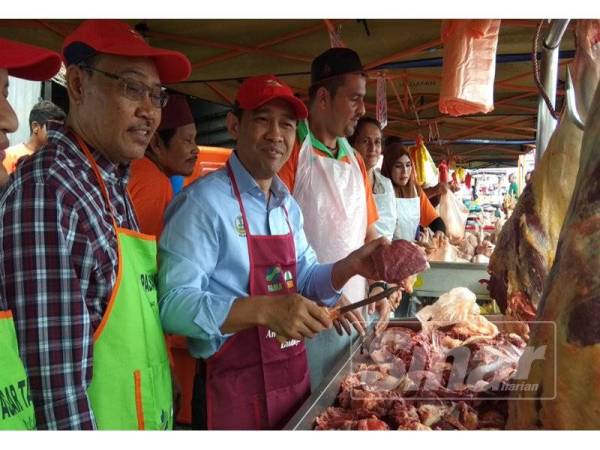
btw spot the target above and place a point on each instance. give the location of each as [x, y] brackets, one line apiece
[131, 381]
[16, 407]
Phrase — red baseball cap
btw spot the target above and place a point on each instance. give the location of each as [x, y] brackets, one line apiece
[28, 61]
[256, 91]
[114, 37]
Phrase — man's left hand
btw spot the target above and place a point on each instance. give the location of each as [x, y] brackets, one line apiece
[383, 307]
[358, 262]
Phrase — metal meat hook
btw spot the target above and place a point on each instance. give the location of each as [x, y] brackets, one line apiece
[572, 102]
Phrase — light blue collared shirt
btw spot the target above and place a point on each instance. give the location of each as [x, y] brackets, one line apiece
[203, 254]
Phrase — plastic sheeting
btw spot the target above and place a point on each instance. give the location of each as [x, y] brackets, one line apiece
[469, 66]
[22, 95]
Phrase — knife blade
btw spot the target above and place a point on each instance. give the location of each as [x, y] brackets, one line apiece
[367, 301]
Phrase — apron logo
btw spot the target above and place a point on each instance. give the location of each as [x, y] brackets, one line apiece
[148, 281]
[274, 279]
[289, 279]
[13, 402]
[239, 226]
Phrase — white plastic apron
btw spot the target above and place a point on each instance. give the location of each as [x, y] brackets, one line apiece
[408, 216]
[386, 206]
[332, 197]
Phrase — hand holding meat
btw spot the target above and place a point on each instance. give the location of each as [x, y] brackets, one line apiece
[396, 262]
[359, 262]
[295, 317]
[383, 308]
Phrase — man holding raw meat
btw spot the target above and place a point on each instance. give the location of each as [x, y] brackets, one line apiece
[238, 277]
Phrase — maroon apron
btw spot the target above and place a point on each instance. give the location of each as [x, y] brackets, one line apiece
[255, 382]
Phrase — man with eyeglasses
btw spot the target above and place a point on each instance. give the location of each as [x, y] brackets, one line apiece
[78, 275]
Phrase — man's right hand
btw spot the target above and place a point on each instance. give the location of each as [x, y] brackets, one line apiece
[294, 316]
[352, 318]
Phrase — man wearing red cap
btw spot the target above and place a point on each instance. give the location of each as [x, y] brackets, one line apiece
[36, 64]
[73, 267]
[172, 151]
[239, 279]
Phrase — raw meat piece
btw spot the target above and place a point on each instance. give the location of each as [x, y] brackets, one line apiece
[342, 419]
[372, 424]
[571, 300]
[526, 247]
[396, 262]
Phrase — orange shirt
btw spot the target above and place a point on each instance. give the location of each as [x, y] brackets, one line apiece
[150, 191]
[288, 176]
[428, 212]
[13, 154]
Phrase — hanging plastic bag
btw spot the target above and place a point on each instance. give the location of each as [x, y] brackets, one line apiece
[469, 66]
[454, 214]
[468, 180]
[425, 170]
[381, 110]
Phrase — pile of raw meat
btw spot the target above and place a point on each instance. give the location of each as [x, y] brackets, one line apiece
[473, 247]
[447, 376]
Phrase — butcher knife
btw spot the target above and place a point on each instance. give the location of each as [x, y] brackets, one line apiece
[344, 309]
[367, 301]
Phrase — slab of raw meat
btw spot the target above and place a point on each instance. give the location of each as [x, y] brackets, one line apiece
[571, 300]
[526, 247]
[398, 261]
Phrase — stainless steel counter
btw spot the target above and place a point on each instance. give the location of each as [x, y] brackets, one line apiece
[442, 277]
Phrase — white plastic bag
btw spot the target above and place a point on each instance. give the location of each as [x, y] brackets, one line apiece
[457, 307]
[454, 214]
[469, 66]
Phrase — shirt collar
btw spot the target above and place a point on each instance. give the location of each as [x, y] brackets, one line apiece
[111, 172]
[342, 143]
[247, 183]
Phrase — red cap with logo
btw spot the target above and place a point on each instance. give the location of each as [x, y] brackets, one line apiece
[114, 37]
[28, 61]
[256, 91]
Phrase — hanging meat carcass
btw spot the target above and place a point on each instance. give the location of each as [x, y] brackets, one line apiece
[567, 394]
[526, 247]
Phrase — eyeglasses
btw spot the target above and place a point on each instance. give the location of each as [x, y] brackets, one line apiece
[136, 90]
